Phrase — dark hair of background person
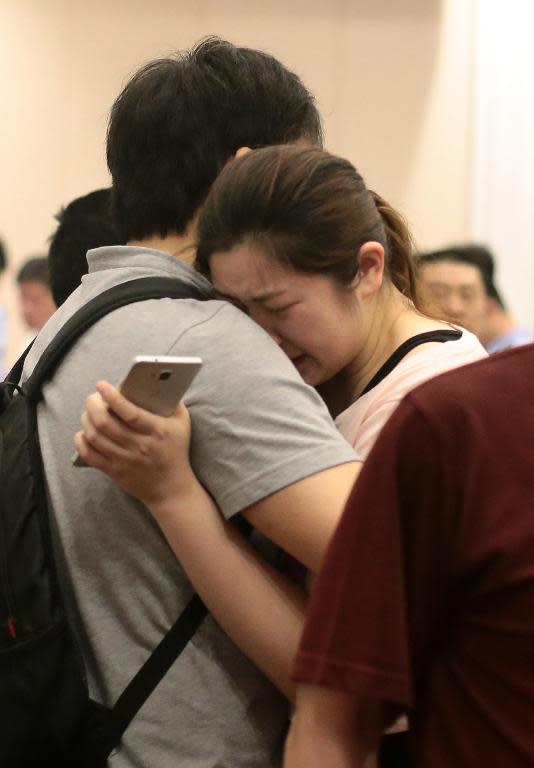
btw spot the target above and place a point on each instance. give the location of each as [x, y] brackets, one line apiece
[476, 255]
[178, 121]
[34, 270]
[309, 209]
[3, 257]
[83, 224]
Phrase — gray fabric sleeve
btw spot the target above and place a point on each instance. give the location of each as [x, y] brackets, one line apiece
[256, 426]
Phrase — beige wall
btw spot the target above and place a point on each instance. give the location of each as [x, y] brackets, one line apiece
[392, 78]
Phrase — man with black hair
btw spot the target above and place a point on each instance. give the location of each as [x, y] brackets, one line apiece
[499, 330]
[452, 287]
[85, 223]
[263, 443]
[36, 301]
[458, 284]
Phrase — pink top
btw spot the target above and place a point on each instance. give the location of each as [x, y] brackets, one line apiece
[361, 422]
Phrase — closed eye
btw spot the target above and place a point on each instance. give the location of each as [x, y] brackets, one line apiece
[280, 309]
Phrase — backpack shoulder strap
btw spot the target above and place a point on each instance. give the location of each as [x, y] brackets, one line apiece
[140, 289]
[159, 662]
[155, 668]
[13, 377]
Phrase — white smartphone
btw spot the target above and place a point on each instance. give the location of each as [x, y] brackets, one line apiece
[157, 384]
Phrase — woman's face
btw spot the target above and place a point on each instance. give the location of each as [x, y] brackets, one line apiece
[313, 320]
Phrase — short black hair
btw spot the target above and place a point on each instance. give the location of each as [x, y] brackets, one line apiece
[179, 119]
[478, 256]
[83, 224]
[34, 270]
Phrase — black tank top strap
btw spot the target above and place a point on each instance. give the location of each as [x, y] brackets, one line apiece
[407, 346]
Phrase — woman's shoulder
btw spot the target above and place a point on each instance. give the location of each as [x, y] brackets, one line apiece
[424, 362]
[439, 354]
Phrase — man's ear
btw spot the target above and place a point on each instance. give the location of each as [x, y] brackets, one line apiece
[242, 151]
[238, 153]
[371, 260]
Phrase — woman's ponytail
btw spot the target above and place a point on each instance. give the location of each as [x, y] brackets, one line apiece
[399, 255]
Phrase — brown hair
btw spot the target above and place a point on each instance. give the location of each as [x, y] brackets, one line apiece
[306, 208]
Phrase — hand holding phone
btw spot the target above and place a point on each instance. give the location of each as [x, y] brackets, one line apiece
[156, 384]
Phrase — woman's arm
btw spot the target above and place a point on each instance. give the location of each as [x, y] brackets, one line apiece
[260, 610]
[332, 728]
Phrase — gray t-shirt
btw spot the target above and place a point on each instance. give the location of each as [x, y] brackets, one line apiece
[256, 428]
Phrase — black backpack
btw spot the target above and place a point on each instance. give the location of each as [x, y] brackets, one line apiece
[46, 716]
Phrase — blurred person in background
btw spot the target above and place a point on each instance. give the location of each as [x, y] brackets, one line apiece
[85, 223]
[458, 285]
[452, 287]
[500, 329]
[36, 300]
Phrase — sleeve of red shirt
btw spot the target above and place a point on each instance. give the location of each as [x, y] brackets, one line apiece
[357, 636]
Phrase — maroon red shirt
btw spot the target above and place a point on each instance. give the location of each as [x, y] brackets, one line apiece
[426, 598]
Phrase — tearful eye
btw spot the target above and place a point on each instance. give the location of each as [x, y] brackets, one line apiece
[279, 310]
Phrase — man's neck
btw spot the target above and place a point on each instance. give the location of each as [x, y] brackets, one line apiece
[182, 247]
